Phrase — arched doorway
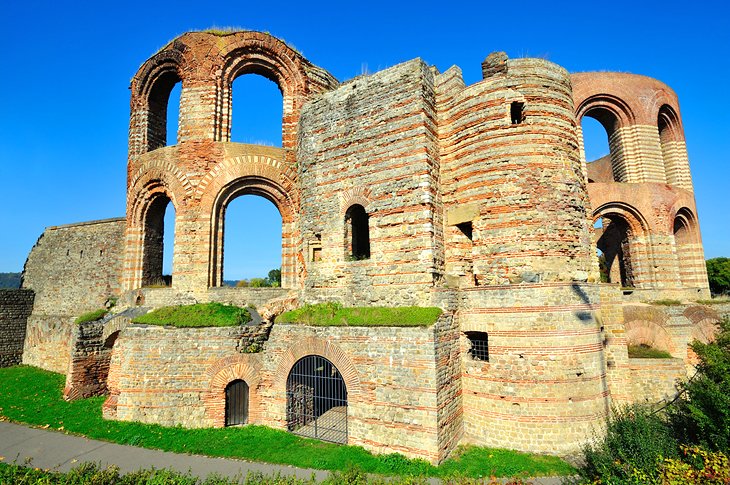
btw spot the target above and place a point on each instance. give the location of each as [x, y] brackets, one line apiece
[236, 403]
[316, 400]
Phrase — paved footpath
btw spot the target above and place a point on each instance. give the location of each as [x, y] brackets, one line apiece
[54, 450]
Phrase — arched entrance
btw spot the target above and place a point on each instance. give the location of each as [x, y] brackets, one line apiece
[316, 400]
[236, 403]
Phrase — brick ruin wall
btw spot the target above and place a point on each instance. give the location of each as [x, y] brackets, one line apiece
[15, 308]
[372, 142]
[397, 399]
[72, 269]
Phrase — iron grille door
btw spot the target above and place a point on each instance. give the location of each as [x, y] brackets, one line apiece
[236, 403]
[316, 400]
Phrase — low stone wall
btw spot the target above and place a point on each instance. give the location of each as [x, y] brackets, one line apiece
[175, 376]
[655, 380]
[15, 307]
[159, 297]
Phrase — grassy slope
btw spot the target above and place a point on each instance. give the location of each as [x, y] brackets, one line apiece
[32, 396]
[327, 314]
[198, 315]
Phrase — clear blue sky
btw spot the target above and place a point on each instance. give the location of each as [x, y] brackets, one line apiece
[66, 68]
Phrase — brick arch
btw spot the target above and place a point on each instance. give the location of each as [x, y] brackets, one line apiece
[636, 264]
[637, 222]
[265, 55]
[153, 178]
[649, 333]
[222, 373]
[153, 183]
[326, 349]
[257, 173]
[151, 88]
[595, 105]
[357, 195]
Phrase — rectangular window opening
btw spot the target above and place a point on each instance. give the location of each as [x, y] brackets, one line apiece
[478, 346]
[517, 112]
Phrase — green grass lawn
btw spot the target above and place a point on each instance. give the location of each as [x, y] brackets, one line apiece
[91, 316]
[643, 351]
[198, 315]
[334, 314]
[33, 396]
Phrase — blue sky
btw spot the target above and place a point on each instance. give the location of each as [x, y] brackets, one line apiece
[64, 104]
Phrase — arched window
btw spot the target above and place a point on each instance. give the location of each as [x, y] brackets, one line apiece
[163, 111]
[252, 240]
[613, 242]
[599, 129]
[668, 126]
[683, 243]
[357, 233]
[156, 240]
[316, 400]
[256, 111]
[236, 403]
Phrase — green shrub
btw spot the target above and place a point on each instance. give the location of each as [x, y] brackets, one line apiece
[91, 316]
[637, 440]
[696, 466]
[198, 315]
[703, 416]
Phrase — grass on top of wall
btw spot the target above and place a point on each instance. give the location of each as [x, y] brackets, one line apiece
[198, 315]
[643, 351]
[91, 316]
[33, 396]
[334, 314]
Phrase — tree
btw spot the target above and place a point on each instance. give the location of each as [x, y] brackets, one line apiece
[718, 272]
[274, 277]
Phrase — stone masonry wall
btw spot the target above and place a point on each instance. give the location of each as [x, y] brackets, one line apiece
[544, 386]
[178, 376]
[15, 308]
[372, 142]
[511, 171]
[72, 269]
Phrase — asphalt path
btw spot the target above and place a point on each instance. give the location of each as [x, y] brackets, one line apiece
[54, 450]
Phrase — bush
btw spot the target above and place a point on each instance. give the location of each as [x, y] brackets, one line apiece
[702, 417]
[718, 274]
[637, 441]
[696, 466]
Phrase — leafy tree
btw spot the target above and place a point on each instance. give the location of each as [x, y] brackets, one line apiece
[274, 277]
[718, 272]
[259, 283]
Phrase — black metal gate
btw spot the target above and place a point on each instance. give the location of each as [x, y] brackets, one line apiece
[236, 403]
[316, 400]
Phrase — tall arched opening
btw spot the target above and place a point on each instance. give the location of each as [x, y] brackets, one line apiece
[620, 232]
[256, 111]
[252, 248]
[163, 110]
[602, 145]
[316, 400]
[685, 247]
[244, 229]
[158, 241]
